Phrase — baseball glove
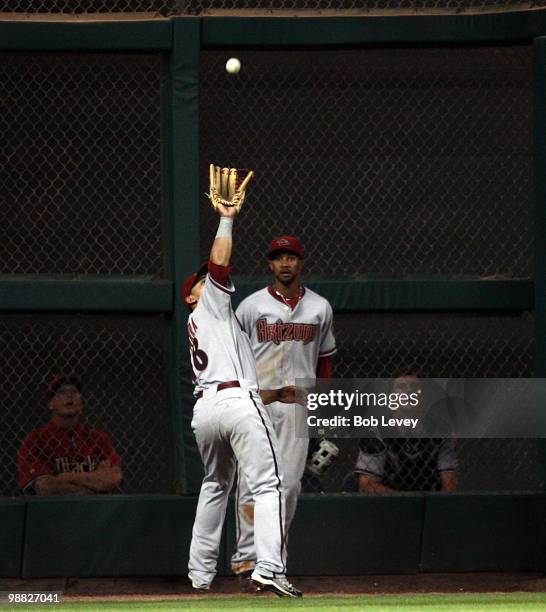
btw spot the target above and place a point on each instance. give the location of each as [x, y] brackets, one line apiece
[323, 457]
[228, 186]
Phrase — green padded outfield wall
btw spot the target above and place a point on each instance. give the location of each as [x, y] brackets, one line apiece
[343, 534]
[351, 535]
[465, 532]
[12, 519]
[107, 536]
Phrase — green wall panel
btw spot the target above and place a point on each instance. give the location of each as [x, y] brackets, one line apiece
[332, 31]
[483, 532]
[356, 535]
[331, 535]
[42, 293]
[50, 35]
[410, 294]
[351, 535]
[12, 519]
[108, 536]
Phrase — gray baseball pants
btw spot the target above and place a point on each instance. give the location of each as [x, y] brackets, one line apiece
[293, 456]
[232, 427]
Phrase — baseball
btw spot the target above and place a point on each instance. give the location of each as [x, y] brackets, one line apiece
[233, 65]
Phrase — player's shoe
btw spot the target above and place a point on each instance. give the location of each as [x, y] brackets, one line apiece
[245, 582]
[200, 587]
[280, 586]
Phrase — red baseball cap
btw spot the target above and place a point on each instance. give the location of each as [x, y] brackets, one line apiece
[190, 282]
[285, 243]
[59, 380]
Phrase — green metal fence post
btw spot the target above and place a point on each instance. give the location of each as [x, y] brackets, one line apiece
[540, 202]
[184, 74]
[539, 155]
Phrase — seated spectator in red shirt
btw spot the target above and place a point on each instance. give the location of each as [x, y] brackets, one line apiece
[67, 456]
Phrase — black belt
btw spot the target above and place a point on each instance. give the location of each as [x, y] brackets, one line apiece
[227, 385]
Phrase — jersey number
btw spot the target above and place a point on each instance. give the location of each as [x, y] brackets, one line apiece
[199, 357]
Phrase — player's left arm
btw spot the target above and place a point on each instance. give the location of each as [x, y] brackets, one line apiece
[216, 294]
[450, 481]
[325, 367]
[370, 467]
[286, 395]
[448, 464]
[222, 246]
[327, 346]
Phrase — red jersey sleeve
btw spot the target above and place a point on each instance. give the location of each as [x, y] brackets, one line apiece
[108, 452]
[219, 274]
[31, 462]
[324, 367]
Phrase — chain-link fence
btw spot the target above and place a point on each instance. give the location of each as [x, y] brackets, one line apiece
[392, 162]
[364, 6]
[161, 7]
[439, 346]
[385, 161]
[168, 7]
[80, 164]
[454, 345]
[120, 362]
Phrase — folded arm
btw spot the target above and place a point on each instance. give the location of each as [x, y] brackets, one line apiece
[104, 479]
[286, 395]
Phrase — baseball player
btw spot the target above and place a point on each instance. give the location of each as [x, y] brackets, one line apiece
[66, 455]
[290, 328]
[230, 422]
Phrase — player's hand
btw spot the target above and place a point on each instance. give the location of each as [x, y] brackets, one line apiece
[287, 395]
[227, 211]
[301, 396]
[293, 395]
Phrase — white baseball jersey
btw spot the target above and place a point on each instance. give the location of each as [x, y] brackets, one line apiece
[287, 343]
[231, 425]
[220, 350]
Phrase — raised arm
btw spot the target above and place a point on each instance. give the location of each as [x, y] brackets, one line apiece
[220, 253]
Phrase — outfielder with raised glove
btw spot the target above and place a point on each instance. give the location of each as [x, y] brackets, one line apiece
[230, 422]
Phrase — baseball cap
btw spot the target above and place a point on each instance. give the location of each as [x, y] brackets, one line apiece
[285, 243]
[59, 380]
[189, 283]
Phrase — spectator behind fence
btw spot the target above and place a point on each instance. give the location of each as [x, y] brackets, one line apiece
[67, 456]
[388, 465]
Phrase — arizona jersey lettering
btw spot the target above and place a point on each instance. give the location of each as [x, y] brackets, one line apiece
[287, 342]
